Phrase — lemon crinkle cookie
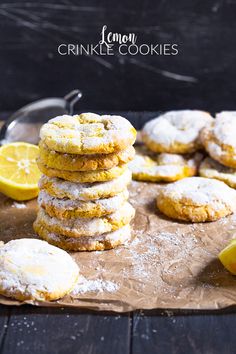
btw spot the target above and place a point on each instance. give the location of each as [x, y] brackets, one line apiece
[85, 191]
[77, 227]
[219, 139]
[95, 243]
[88, 133]
[197, 199]
[212, 169]
[163, 168]
[73, 162]
[176, 132]
[67, 208]
[83, 176]
[32, 269]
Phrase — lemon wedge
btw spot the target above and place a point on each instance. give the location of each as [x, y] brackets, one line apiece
[19, 173]
[228, 257]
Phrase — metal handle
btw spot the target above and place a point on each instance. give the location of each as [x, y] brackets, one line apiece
[71, 99]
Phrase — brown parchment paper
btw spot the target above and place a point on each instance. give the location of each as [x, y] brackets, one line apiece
[167, 265]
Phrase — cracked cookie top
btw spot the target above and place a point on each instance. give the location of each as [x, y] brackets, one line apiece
[88, 133]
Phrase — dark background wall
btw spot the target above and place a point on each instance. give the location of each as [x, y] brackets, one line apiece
[202, 75]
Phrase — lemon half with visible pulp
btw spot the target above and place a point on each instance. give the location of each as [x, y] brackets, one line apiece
[228, 257]
[19, 173]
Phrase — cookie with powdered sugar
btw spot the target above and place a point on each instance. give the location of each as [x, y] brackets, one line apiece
[77, 227]
[82, 176]
[95, 243]
[59, 188]
[88, 133]
[32, 269]
[219, 139]
[197, 199]
[212, 169]
[163, 167]
[75, 162]
[176, 132]
[67, 208]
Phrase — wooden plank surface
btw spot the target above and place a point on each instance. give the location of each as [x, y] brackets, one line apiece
[4, 320]
[45, 330]
[184, 334]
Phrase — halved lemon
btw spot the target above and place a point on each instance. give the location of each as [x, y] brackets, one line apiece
[19, 173]
[228, 257]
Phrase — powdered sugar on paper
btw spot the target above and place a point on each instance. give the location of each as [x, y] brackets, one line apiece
[97, 285]
[18, 205]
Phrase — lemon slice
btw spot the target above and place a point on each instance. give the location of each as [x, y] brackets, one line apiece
[19, 173]
[228, 257]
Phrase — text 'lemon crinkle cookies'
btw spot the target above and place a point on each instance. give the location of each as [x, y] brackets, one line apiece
[34, 270]
[197, 199]
[83, 195]
[176, 132]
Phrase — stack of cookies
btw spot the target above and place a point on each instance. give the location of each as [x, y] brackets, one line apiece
[83, 199]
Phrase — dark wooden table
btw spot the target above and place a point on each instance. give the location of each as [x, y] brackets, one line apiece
[46, 330]
[36, 330]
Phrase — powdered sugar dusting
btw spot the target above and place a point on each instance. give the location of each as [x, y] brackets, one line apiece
[212, 169]
[85, 191]
[120, 236]
[18, 205]
[145, 165]
[201, 191]
[163, 167]
[77, 227]
[98, 285]
[87, 133]
[108, 205]
[34, 268]
[225, 128]
[176, 126]
[148, 253]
